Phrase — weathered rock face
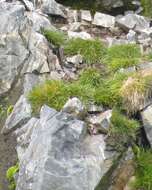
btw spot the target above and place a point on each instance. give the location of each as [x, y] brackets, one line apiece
[70, 159]
[146, 115]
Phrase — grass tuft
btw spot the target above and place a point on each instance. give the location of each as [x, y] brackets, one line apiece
[93, 51]
[137, 90]
[122, 56]
[144, 171]
[108, 93]
[57, 38]
[56, 93]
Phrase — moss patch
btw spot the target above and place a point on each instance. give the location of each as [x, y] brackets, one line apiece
[147, 5]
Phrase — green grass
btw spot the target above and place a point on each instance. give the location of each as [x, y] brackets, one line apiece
[92, 51]
[57, 38]
[10, 176]
[144, 170]
[122, 125]
[147, 5]
[122, 56]
[108, 93]
[56, 93]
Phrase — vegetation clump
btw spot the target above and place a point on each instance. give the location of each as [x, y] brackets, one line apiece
[57, 38]
[122, 56]
[108, 93]
[147, 5]
[56, 93]
[137, 90]
[144, 170]
[123, 126]
[92, 51]
[10, 176]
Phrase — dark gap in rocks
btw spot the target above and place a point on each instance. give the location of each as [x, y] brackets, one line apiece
[142, 140]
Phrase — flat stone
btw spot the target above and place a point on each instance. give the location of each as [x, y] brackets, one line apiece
[104, 20]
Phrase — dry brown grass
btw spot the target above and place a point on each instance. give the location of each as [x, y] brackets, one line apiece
[136, 91]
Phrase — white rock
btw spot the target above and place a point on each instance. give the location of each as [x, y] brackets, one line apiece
[86, 15]
[104, 20]
[82, 35]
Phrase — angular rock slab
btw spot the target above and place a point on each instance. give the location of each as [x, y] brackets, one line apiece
[21, 114]
[60, 155]
[133, 21]
[146, 115]
[104, 20]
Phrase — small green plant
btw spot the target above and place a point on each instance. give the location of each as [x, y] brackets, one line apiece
[144, 170]
[122, 56]
[9, 109]
[147, 5]
[55, 37]
[10, 176]
[93, 51]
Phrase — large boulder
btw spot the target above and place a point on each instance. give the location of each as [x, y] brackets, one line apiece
[133, 21]
[56, 153]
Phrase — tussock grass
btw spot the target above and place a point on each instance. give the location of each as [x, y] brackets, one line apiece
[137, 90]
[56, 93]
[122, 56]
[57, 38]
[92, 51]
[144, 170]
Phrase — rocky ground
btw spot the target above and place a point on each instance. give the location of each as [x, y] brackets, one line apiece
[75, 135]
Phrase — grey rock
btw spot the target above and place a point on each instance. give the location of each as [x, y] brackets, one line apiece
[39, 21]
[86, 15]
[114, 41]
[82, 35]
[21, 114]
[75, 26]
[75, 107]
[75, 60]
[11, 17]
[131, 36]
[71, 160]
[92, 108]
[100, 121]
[39, 53]
[133, 21]
[146, 115]
[28, 5]
[104, 20]
[72, 16]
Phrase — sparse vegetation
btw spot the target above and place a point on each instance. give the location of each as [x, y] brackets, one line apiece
[10, 176]
[93, 51]
[144, 170]
[122, 56]
[57, 38]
